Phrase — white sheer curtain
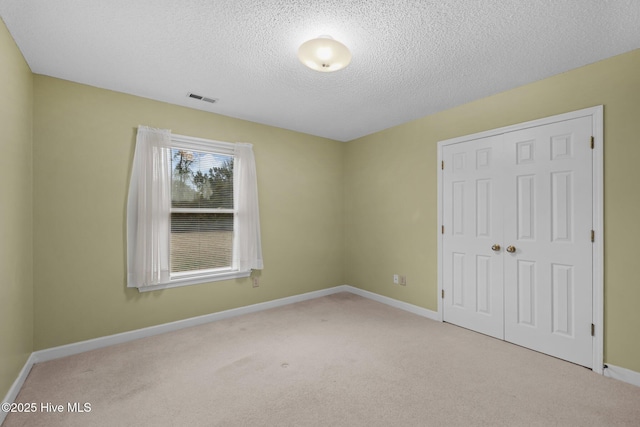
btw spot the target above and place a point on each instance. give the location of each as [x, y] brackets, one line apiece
[247, 244]
[148, 209]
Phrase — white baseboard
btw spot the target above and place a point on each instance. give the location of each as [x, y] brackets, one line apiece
[618, 373]
[93, 344]
[17, 385]
[429, 314]
[96, 343]
[622, 374]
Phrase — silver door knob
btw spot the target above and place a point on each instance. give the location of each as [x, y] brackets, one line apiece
[511, 249]
[495, 247]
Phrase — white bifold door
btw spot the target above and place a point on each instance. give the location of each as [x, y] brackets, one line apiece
[517, 242]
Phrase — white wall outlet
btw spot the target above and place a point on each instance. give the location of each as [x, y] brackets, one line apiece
[255, 281]
[396, 279]
[403, 280]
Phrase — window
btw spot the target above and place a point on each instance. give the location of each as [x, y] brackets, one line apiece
[192, 215]
[201, 211]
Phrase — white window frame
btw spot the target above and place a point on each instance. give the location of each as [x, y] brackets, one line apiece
[194, 277]
[247, 253]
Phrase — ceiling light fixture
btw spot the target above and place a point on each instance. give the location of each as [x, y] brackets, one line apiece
[324, 54]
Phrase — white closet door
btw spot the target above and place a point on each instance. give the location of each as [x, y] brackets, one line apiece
[472, 212]
[548, 220]
[530, 192]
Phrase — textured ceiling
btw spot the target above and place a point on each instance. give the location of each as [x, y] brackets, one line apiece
[410, 58]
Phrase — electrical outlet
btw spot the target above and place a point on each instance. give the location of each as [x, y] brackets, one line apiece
[396, 279]
[255, 282]
[403, 280]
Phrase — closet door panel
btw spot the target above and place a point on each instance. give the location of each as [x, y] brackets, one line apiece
[472, 212]
[548, 221]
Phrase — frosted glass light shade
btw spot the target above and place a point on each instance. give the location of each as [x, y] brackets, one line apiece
[324, 54]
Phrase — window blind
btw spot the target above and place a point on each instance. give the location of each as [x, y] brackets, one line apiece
[202, 210]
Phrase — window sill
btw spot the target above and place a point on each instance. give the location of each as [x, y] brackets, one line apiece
[195, 280]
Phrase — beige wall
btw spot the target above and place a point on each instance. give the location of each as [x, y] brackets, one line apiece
[16, 285]
[83, 148]
[391, 196]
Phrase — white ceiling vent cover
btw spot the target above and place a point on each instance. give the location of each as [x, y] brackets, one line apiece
[202, 98]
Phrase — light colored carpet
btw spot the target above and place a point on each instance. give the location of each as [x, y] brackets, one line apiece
[341, 360]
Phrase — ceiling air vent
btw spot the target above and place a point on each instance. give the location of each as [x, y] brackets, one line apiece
[202, 98]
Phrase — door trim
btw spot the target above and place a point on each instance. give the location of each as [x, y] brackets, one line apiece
[596, 114]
